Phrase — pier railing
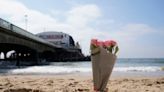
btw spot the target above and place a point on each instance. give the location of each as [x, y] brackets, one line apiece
[6, 25]
[9, 26]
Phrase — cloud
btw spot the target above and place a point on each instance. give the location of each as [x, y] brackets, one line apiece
[76, 23]
[134, 40]
[81, 16]
[137, 40]
[16, 11]
[133, 31]
[11, 7]
[83, 22]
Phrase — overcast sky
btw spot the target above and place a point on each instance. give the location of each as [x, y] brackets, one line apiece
[136, 25]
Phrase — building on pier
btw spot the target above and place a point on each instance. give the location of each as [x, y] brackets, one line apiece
[59, 38]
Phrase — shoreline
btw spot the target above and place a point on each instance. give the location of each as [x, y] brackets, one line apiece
[77, 83]
[88, 74]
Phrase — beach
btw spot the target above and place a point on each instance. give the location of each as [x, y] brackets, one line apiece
[77, 83]
[129, 75]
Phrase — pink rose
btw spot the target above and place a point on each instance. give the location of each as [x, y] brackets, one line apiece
[94, 42]
[100, 43]
[109, 43]
[113, 43]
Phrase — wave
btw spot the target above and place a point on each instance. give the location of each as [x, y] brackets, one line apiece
[139, 69]
[63, 70]
[49, 70]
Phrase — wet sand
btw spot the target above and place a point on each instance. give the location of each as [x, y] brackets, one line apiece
[77, 83]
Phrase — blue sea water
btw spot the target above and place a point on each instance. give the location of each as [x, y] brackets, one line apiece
[137, 66]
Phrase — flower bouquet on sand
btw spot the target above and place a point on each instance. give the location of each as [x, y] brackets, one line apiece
[103, 57]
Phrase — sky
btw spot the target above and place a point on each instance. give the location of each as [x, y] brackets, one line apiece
[136, 25]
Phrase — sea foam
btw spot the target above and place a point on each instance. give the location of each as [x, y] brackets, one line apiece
[138, 69]
[63, 69]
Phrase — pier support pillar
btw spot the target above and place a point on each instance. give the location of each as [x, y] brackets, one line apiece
[5, 55]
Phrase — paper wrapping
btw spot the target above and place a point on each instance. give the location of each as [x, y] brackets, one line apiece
[102, 66]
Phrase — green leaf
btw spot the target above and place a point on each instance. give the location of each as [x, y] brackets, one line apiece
[116, 50]
[110, 49]
[92, 47]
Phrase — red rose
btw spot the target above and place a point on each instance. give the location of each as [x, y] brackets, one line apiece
[100, 43]
[109, 43]
[94, 42]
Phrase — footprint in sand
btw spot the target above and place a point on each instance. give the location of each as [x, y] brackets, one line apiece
[22, 90]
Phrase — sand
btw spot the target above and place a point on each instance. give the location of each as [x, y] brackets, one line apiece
[77, 83]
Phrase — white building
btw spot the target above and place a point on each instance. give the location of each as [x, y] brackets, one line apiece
[58, 38]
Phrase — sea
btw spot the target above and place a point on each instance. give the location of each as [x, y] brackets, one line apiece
[123, 67]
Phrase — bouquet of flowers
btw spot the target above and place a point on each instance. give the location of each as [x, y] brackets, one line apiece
[109, 45]
[103, 57]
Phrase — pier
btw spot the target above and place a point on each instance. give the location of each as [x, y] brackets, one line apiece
[17, 44]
